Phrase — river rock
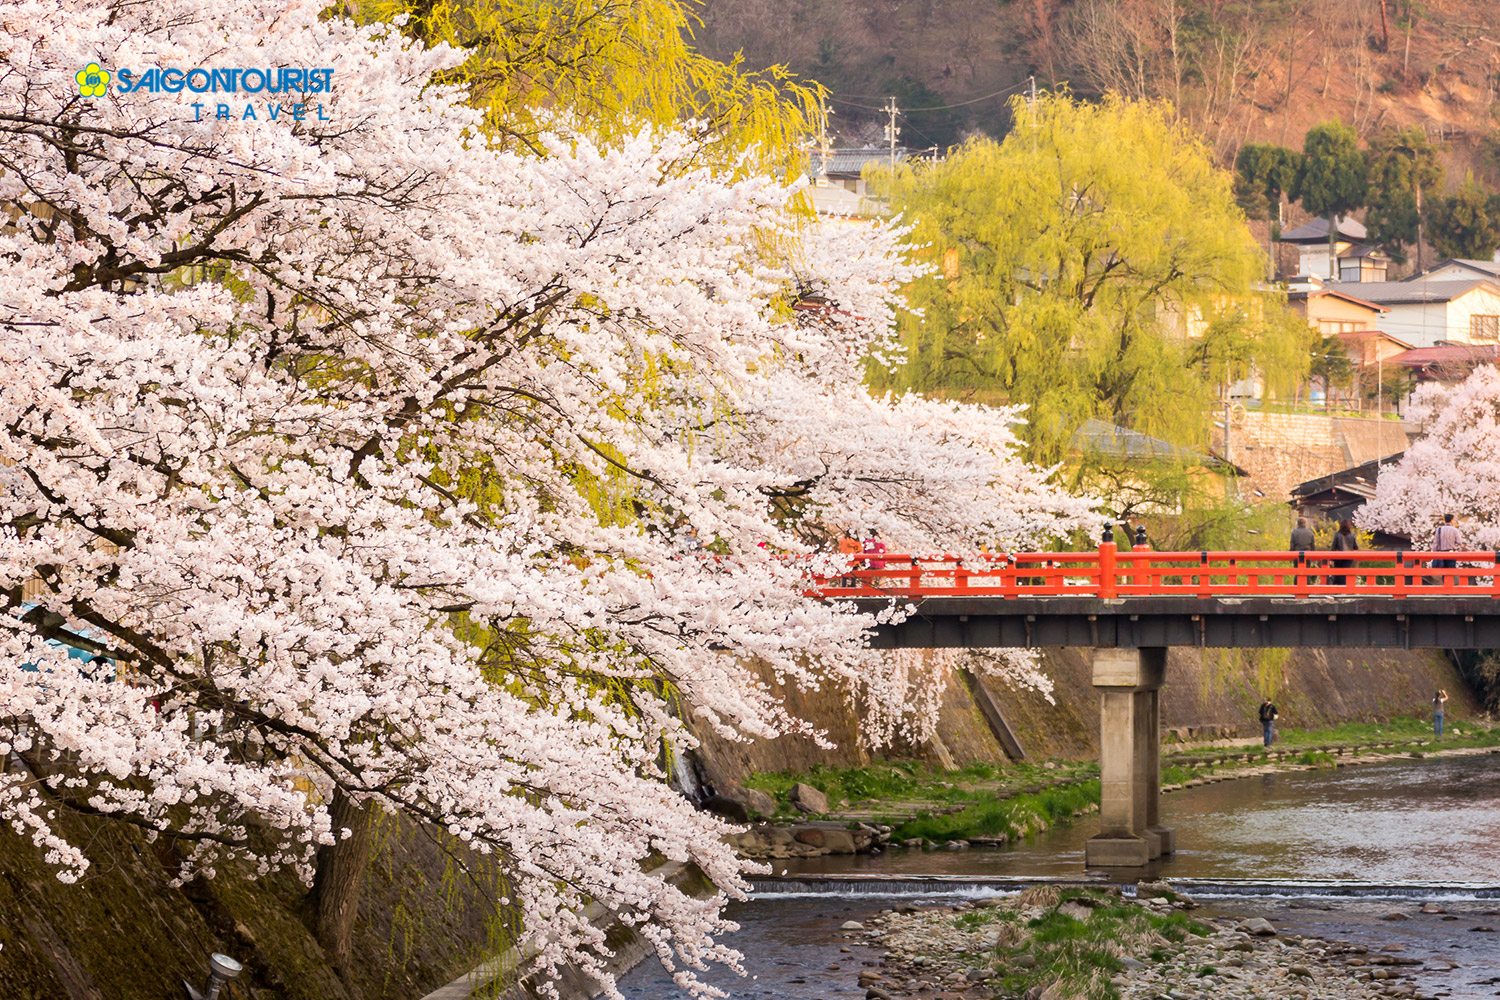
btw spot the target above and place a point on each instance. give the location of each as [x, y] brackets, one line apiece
[876, 993]
[1071, 908]
[1259, 926]
[1299, 970]
[1432, 908]
[1394, 915]
[851, 925]
[808, 799]
[1161, 887]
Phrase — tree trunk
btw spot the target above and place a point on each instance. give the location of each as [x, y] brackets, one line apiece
[334, 898]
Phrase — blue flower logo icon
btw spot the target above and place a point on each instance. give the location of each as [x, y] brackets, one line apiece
[93, 81]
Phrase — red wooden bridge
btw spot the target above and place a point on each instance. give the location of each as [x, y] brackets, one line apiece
[1142, 572]
[1139, 597]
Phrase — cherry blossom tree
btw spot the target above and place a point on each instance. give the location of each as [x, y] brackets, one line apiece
[1452, 468]
[366, 452]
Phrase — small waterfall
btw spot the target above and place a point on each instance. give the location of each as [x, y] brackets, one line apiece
[965, 887]
[683, 771]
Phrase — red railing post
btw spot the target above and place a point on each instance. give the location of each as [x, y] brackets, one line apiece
[1107, 565]
[1142, 567]
[1402, 579]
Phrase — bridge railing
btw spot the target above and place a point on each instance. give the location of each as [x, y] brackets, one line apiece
[1141, 573]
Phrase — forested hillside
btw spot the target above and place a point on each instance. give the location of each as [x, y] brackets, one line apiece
[1239, 71]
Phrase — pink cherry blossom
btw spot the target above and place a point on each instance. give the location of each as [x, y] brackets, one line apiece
[367, 452]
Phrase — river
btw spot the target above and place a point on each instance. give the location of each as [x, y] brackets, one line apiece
[1325, 852]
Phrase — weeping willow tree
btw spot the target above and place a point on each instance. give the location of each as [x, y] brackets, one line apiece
[608, 67]
[1093, 264]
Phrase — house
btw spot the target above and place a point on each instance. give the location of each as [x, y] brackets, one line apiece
[1428, 313]
[1352, 243]
[1340, 494]
[1457, 269]
[1446, 363]
[1371, 348]
[1329, 310]
[838, 181]
[1363, 263]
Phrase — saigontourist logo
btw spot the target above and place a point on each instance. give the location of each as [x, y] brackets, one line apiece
[292, 85]
[92, 81]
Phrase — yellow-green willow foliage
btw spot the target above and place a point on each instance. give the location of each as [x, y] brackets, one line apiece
[607, 67]
[1091, 264]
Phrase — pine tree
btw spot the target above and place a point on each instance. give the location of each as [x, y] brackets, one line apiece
[1466, 224]
[1402, 165]
[1333, 178]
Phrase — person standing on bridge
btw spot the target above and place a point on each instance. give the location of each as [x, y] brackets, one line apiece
[849, 547]
[1344, 541]
[1303, 541]
[1268, 720]
[1438, 700]
[1447, 538]
[874, 548]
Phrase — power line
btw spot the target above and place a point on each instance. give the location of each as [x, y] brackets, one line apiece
[940, 107]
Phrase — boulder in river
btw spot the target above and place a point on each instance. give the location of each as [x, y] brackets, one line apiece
[808, 799]
[1259, 926]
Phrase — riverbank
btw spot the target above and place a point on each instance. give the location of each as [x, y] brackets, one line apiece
[982, 804]
[1050, 943]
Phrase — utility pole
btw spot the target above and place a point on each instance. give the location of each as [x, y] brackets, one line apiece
[1031, 109]
[891, 131]
[825, 111]
[1228, 442]
[1419, 222]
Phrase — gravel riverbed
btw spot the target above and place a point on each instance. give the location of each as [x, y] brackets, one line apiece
[1050, 944]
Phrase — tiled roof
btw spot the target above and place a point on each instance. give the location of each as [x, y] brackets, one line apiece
[1312, 293]
[1421, 357]
[1399, 292]
[1488, 267]
[1355, 336]
[852, 161]
[1317, 231]
[1110, 439]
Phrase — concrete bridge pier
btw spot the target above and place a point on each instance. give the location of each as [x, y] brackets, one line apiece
[1130, 830]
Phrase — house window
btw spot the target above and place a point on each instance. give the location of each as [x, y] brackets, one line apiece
[1484, 327]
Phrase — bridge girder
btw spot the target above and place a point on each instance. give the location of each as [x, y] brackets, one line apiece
[1142, 622]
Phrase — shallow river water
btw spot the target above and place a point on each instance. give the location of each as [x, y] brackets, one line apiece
[1319, 852]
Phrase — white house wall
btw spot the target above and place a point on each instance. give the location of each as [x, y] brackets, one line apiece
[1420, 324]
[1450, 272]
[1423, 324]
[1478, 302]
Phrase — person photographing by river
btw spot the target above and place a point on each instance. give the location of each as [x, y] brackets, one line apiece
[1268, 720]
[1438, 699]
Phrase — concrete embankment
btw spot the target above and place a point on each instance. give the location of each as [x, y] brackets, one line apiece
[1208, 694]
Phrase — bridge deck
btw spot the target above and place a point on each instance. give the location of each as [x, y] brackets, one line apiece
[1411, 623]
[1142, 598]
